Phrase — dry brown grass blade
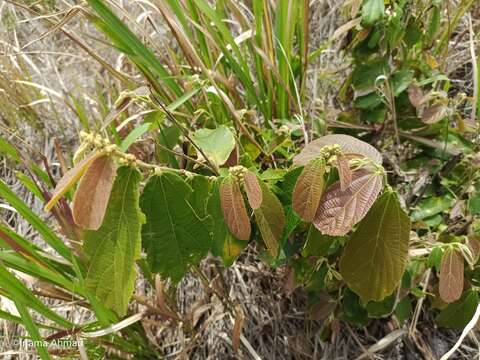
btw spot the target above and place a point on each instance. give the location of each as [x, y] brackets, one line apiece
[237, 328]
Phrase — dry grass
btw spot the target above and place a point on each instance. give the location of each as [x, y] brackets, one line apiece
[276, 326]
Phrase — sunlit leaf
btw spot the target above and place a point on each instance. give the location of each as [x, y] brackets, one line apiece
[70, 178]
[344, 172]
[217, 144]
[451, 276]
[233, 207]
[308, 189]
[372, 11]
[340, 210]
[348, 144]
[113, 249]
[376, 254]
[91, 197]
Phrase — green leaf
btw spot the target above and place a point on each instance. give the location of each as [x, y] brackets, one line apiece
[372, 11]
[401, 80]
[432, 206]
[224, 244]
[174, 236]
[113, 249]
[217, 143]
[458, 314]
[317, 244]
[403, 310]
[375, 256]
[134, 135]
[270, 219]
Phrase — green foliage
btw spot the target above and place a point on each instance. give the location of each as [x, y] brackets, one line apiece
[113, 249]
[174, 236]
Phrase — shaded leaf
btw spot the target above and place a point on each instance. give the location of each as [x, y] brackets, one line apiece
[340, 210]
[270, 219]
[434, 114]
[91, 197]
[70, 178]
[348, 144]
[458, 314]
[451, 276]
[253, 190]
[174, 236]
[113, 249]
[233, 208]
[308, 189]
[376, 254]
[217, 143]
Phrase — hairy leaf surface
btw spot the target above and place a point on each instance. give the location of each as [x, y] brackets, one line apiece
[70, 178]
[344, 172]
[253, 190]
[91, 197]
[376, 254]
[348, 144]
[113, 249]
[224, 244]
[270, 219]
[451, 276]
[308, 189]
[233, 208]
[340, 210]
[174, 236]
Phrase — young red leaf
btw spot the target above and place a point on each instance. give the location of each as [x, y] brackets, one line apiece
[91, 197]
[340, 210]
[308, 189]
[451, 276]
[415, 95]
[253, 190]
[344, 172]
[347, 143]
[70, 178]
[233, 208]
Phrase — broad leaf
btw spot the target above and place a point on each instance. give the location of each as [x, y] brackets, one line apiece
[340, 210]
[70, 178]
[174, 236]
[347, 143]
[113, 249]
[344, 172]
[91, 197]
[451, 276]
[270, 220]
[253, 190]
[376, 254]
[233, 208]
[217, 143]
[434, 114]
[458, 314]
[308, 189]
[372, 11]
[224, 244]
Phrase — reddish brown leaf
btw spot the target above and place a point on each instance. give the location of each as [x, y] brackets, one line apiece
[340, 210]
[451, 276]
[70, 179]
[415, 95]
[347, 143]
[253, 190]
[473, 243]
[434, 114]
[91, 198]
[344, 172]
[308, 189]
[233, 209]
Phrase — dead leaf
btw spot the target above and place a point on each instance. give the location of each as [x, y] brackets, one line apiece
[415, 95]
[91, 197]
[434, 114]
